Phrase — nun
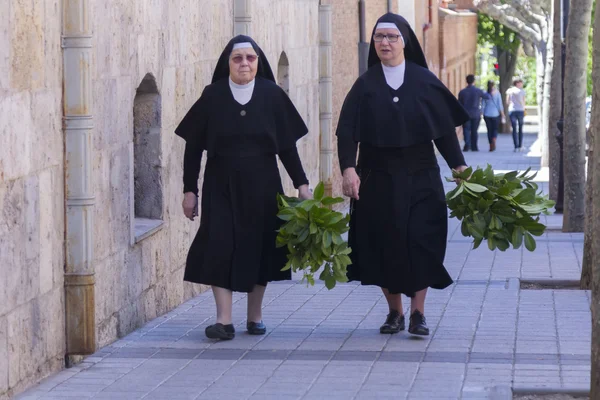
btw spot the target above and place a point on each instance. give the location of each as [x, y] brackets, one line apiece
[243, 120]
[398, 224]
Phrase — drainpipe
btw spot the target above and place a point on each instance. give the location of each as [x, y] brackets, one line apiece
[427, 26]
[363, 44]
[325, 97]
[390, 6]
[78, 125]
[242, 19]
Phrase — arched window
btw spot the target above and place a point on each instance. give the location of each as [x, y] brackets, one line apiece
[147, 179]
[283, 73]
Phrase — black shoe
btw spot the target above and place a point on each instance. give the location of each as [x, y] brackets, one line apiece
[256, 328]
[394, 323]
[418, 325]
[465, 148]
[220, 331]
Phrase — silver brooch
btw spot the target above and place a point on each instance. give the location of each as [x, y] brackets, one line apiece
[395, 99]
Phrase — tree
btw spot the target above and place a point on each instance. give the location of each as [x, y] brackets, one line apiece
[533, 21]
[594, 182]
[574, 132]
[555, 102]
[507, 45]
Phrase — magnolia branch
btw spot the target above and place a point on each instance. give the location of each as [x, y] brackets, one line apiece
[507, 15]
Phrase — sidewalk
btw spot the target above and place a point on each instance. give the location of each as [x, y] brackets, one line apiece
[487, 335]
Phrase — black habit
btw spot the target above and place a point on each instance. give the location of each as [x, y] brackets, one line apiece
[235, 245]
[398, 228]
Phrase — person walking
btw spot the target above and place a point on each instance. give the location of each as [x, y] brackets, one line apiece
[470, 97]
[243, 120]
[493, 113]
[396, 111]
[515, 97]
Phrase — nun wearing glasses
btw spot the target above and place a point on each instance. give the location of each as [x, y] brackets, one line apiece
[394, 113]
[243, 121]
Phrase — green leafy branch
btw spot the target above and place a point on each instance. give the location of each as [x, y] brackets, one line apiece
[313, 235]
[503, 209]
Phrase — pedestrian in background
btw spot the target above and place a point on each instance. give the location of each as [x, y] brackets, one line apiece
[493, 113]
[470, 98]
[515, 97]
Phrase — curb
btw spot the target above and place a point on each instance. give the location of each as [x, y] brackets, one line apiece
[505, 392]
[532, 390]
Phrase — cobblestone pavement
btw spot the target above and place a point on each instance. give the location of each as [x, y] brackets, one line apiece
[487, 335]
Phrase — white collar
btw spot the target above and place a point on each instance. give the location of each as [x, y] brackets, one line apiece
[394, 76]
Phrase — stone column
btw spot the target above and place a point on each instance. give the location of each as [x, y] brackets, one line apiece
[78, 125]
[241, 17]
[325, 97]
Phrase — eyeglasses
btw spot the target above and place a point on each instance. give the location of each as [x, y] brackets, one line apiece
[378, 37]
[239, 58]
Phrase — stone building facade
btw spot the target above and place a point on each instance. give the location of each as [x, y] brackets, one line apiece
[92, 237]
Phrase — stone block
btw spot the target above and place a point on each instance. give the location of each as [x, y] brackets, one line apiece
[3, 355]
[15, 135]
[27, 45]
[5, 30]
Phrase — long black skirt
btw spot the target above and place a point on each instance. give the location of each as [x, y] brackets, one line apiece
[235, 245]
[398, 227]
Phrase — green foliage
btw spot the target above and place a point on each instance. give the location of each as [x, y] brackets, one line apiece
[313, 235]
[493, 32]
[502, 209]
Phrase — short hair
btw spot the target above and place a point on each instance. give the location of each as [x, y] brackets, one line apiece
[518, 80]
[470, 79]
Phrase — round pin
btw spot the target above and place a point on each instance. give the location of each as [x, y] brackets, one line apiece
[395, 99]
[243, 112]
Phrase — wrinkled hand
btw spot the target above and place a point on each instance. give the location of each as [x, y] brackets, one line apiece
[190, 205]
[350, 183]
[459, 169]
[304, 193]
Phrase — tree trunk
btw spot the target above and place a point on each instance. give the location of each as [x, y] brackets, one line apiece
[555, 102]
[588, 257]
[507, 63]
[595, 234]
[544, 70]
[578, 30]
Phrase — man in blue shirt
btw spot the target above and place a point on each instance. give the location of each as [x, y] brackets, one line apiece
[470, 98]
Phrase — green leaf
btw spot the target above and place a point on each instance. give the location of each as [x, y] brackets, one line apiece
[455, 192]
[319, 192]
[328, 201]
[529, 242]
[330, 282]
[313, 228]
[327, 239]
[517, 237]
[474, 187]
[476, 243]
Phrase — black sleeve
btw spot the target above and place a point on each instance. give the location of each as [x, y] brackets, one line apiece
[191, 166]
[291, 161]
[348, 126]
[450, 149]
[347, 149]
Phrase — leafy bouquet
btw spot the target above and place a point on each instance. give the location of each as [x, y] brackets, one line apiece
[313, 235]
[503, 209]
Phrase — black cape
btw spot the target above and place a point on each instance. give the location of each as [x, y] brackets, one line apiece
[426, 110]
[235, 245]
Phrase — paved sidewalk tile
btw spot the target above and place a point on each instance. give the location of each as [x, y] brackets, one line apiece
[320, 344]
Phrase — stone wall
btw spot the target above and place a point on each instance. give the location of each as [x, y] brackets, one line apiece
[457, 56]
[31, 193]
